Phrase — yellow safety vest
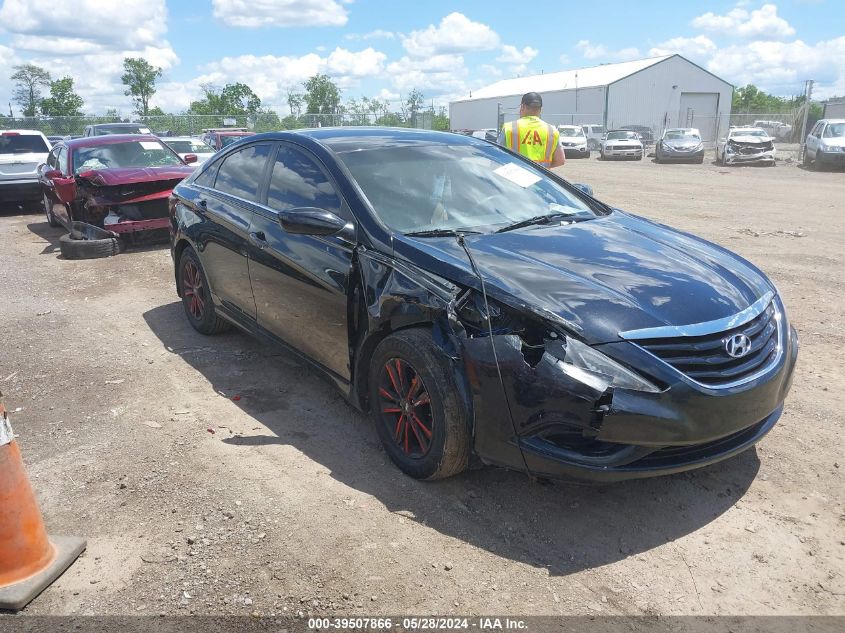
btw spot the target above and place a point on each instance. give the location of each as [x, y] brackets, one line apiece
[533, 138]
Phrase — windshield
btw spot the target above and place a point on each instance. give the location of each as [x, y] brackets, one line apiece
[751, 132]
[190, 146]
[834, 130]
[456, 187]
[128, 154]
[13, 143]
[228, 139]
[101, 130]
[680, 135]
[618, 135]
[571, 131]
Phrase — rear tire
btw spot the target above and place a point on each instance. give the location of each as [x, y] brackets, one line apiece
[196, 297]
[409, 373]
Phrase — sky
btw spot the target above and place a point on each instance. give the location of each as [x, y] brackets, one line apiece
[384, 49]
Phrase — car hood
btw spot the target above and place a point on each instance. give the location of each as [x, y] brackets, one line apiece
[577, 140]
[599, 277]
[757, 140]
[677, 143]
[622, 141]
[131, 175]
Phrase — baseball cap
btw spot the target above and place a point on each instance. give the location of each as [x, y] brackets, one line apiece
[532, 99]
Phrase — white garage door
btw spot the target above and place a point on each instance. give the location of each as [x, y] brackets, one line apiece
[699, 109]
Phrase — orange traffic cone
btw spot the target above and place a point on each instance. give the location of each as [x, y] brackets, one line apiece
[29, 560]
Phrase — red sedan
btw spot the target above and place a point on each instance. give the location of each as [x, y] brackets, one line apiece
[119, 182]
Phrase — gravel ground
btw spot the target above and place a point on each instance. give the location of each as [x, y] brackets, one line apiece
[215, 476]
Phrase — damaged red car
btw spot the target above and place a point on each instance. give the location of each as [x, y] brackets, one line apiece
[120, 183]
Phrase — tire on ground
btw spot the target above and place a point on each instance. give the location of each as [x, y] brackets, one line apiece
[208, 322]
[86, 241]
[450, 445]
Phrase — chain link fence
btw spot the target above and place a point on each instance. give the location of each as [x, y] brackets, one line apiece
[193, 124]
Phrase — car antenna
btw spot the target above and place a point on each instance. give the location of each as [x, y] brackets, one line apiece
[462, 242]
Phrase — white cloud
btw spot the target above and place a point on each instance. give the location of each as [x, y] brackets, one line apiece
[490, 71]
[696, 47]
[600, 51]
[512, 55]
[762, 23]
[271, 76]
[130, 24]
[455, 34]
[55, 36]
[565, 60]
[378, 34]
[280, 13]
[435, 75]
[782, 67]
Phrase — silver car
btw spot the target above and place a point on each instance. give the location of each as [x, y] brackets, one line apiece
[680, 144]
[184, 145]
[621, 144]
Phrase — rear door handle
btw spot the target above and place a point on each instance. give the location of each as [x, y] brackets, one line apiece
[258, 239]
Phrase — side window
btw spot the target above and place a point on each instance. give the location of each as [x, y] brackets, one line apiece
[51, 159]
[240, 174]
[61, 161]
[206, 178]
[298, 181]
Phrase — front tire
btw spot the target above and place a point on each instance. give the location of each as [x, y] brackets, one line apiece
[196, 297]
[420, 417]
[48, 212]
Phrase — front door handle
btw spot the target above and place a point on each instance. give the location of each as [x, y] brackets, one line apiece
[258, 239]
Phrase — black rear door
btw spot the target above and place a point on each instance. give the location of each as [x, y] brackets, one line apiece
[227, 208]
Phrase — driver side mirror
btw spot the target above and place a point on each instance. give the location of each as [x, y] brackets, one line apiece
[310, 221]
[52, 173]
[190, 158]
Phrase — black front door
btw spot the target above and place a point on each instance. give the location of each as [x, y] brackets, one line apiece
[301, 282]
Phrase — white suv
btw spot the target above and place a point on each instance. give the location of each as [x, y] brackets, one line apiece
[21, 151]
[825, 145]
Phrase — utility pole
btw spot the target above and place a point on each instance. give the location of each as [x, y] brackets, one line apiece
[808, 93]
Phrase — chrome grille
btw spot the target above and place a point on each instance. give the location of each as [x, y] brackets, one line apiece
[705, 360]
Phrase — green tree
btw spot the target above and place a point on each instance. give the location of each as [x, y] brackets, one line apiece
[63, 101]
[322, 96]
[140, 77]
[440, 120]
[156, 111]
[232, 99]
[113, 114]
[295, 103]
[412, 105]
[29, 79]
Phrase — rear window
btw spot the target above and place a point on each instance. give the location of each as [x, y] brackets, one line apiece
[186, 147]
[22, 144]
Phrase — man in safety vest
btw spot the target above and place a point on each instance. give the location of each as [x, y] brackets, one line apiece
[531, 136]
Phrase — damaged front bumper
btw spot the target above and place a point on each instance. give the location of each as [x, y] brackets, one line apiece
[748, 155]
[553, 425]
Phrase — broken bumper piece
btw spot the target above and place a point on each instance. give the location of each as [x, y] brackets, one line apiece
[563, 427]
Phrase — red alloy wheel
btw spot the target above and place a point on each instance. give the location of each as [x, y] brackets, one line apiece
[405, 406]
[193, 290]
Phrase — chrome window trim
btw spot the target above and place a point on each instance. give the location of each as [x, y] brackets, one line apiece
[702, 329]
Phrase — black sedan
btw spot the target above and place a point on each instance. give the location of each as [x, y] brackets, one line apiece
[474, 303]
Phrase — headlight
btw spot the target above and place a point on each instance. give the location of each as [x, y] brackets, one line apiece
[585, 364]
[698, 147]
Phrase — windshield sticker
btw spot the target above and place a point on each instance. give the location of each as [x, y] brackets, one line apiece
[149, 145]
[144, 130]
[517, 175]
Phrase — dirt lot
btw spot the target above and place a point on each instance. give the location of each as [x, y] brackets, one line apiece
[282, 501]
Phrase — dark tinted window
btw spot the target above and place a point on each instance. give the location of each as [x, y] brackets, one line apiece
[206, 178]
[240, 173]
[297, 181]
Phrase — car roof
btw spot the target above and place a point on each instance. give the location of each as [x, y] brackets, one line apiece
[181, 138]
[683, 129]
[23, 132]
[92, 141]
[231, 132]
[118, 124]
[833, 120]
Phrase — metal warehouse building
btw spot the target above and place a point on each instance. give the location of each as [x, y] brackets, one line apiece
[658, 92]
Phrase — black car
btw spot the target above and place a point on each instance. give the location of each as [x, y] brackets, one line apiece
[475, 303]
